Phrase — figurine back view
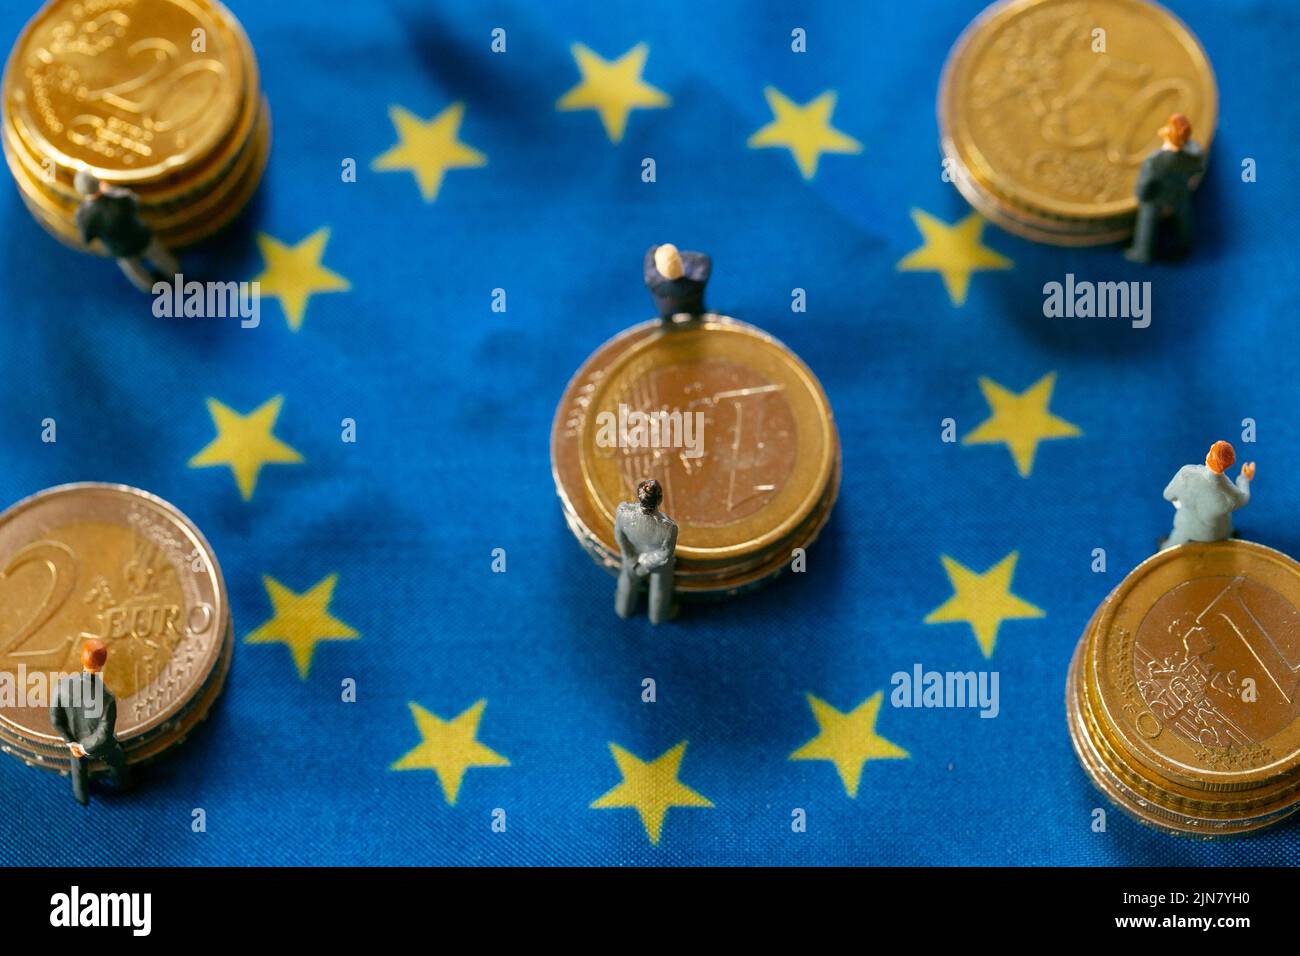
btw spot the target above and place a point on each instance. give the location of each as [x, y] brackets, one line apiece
[84, 713]
[1204, 498]
[647, 540]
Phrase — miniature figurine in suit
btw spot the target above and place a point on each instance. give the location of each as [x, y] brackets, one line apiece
[112, 215]
[86, 716]
[1164, 189]
[1204, 499]
[677, 280]
[647, 540]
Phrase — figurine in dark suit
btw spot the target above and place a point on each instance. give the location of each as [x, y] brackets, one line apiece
[84, 713]
[677, 280]
[112, 215]
[1164, 190]
[647, 540]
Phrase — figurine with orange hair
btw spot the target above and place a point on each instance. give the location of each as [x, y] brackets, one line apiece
[1164, 189]
[84, 713]
[1204, 498]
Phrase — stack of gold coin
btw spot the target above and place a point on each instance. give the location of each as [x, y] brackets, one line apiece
[1183, 697]
[117, 564]
[1047, 109]
[158, 96]
[743, 444]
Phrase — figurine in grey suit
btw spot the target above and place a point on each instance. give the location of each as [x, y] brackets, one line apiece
[1164, 189]
[86, 717]
[647, 540]
[677, 280]
[1204, 499]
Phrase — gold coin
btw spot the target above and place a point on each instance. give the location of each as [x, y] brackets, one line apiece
[118, 88]
[184, 183]
[1052, 105]
[204, 218]
[766, 449]
[1196, 664]
[108, 561]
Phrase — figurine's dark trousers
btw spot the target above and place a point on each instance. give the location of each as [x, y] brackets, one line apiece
[111, 755]
[1146, 228]
[660, 587]
[155, 264]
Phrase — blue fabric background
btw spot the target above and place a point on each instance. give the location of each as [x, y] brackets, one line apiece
[454, 405]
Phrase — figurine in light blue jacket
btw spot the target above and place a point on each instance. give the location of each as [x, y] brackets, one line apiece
[1204, 498]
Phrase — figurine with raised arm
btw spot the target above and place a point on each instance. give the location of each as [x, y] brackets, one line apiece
[84, 713]
[677, 280]
[112, 215]
[647, 540]
[1204, 498]
[1164, 190]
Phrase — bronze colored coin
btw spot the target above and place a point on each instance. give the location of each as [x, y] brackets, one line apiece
[1033, 110]
[1196, 663]
[174, 191]
[198, 205]
[765, 468]
[119, 564]
[1035, 228]
[116, 87]
[201, 221]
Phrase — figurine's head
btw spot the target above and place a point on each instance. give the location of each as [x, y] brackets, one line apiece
[87, 185]
[1220, 457]
[94, 655]
[669, 261]
[649, 494]
[1176, 132]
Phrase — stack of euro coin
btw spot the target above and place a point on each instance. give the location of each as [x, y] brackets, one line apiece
[1183, 697]
[1047, 109]
[118, 564]
[732, 424]
[161, 97]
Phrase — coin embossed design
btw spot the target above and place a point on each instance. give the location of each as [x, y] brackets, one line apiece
[118, 87]
[758, 476]
[1182, 694]
[123, 89]
[1047, 109]
[118, 564]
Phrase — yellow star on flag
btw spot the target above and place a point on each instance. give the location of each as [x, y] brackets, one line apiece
[848, 740]
[953, 251]
[804, 130]
[428, 148]
[301, 621]
[293, 274]
[612, 89]
[1020, 421]
[983, 601]
[449, 747]
[650, 787]
[245, 443]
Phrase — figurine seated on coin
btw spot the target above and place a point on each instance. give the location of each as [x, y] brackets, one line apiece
[1204, 499]
[112, 215]
[1164, 190]
[84, 713]
[647, 541]
[677, 280]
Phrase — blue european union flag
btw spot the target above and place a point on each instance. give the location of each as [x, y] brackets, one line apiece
[428, 669]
